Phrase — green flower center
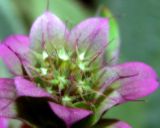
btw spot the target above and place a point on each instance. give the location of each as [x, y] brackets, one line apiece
[71, 76]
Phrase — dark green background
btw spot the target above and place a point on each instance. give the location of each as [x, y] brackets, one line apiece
[140, 40]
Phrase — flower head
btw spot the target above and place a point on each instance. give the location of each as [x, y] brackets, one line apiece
[61, 77]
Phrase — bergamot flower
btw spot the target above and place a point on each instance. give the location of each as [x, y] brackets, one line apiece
[62, 79]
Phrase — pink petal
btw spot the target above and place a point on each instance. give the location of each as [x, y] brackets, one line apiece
[134, 80]
[92, 33]
[11, 89]
[3, 123]
[11, 60]
[138, 89]
[7, 98]
[137, 80]
[19, 44]
[120, 124]
[137, 69]
[69, 115]
[48, 28]
[27, 88]
[111, 123]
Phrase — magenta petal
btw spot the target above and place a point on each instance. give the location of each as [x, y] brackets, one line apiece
[27, 88]
[137, 89]
[69, 115]
[134, 80]
[11, 60]
[138, 70]
[91, 32]
[7, 97]
[120, 124]
[11, 89]
[3, 123]
[18, 44]
[47, 29]
[111, 123]
[137, 80]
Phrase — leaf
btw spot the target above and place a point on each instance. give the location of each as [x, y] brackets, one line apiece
[112, 51]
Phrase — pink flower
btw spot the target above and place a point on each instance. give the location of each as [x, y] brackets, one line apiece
[60, 79]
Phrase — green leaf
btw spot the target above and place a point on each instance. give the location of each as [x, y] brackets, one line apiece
[112, 50]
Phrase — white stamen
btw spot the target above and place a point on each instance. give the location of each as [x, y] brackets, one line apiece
[44, 71]
[81, 56]
[66, 100]
[44, 55]
[63, 55]
[82, 66]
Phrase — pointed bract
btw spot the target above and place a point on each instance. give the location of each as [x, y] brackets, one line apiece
[7, 98]
[47, 29]
[27, 88]
[137, 80]
[69, 115]
[91, 34]
[11, 60]
[15, 88]
[19, 44]
[133, 80]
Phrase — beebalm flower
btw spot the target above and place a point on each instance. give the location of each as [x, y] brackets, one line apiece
[61, 79]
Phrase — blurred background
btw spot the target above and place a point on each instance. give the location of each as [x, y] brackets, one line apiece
[139, 31]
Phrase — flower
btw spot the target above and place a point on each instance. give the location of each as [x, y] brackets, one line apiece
[61, 79]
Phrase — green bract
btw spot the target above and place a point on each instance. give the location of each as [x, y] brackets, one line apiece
[112, 51]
